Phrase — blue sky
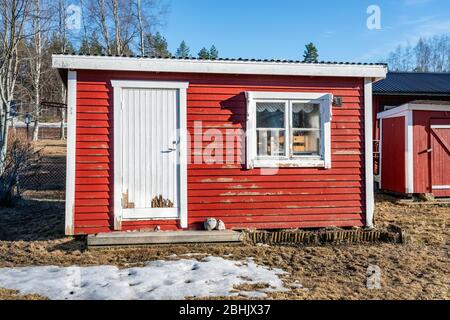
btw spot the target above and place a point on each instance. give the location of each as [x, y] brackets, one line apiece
[281, 28]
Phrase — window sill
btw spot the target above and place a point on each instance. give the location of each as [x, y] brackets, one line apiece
[291, 163]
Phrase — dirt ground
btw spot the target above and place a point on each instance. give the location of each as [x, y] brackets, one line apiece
[32, 234]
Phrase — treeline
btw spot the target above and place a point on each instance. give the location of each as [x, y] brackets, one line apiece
[33, 30]
[154, 45]
[428, 55]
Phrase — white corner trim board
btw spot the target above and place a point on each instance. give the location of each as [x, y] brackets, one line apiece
[217, 66]
[71, 150]
[409, 151]
[368, 138]
[121, 214]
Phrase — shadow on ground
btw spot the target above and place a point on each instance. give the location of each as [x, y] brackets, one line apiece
[32, 220]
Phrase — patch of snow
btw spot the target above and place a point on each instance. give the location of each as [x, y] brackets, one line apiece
[212, 276]
[193, 254]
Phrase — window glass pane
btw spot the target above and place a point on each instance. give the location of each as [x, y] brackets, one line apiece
[270, 115]
[271, 142]
[306, 115]
[306, 142]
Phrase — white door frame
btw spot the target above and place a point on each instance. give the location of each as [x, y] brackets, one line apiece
[118, 86]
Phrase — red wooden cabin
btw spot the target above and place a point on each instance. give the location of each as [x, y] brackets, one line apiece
[415, 148]
[258, 144]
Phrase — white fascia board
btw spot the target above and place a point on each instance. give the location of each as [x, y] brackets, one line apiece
[218, 66]
[398, 111]
[412, 107]
[429, 107]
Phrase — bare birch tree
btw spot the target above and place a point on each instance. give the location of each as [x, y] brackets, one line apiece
[428, 55]
[13, 18]
[36, 64]
[141, 28]
[123, 27]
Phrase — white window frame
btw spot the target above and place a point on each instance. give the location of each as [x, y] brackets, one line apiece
[321, 161]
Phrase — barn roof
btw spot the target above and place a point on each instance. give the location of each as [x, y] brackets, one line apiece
[417, 83]
[220, 65]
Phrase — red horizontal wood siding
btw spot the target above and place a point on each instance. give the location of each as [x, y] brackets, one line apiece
[293, 198]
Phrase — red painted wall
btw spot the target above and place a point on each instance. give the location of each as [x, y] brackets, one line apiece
[294, 198]
[422, 142]
[393, 170]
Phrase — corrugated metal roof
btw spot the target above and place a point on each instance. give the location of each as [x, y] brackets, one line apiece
[414, 83]
[233, 59]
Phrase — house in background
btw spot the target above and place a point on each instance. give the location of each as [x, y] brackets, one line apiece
[143, 135]
[413, 130]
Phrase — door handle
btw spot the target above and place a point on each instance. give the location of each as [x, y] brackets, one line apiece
[174, 148]
[430, 150]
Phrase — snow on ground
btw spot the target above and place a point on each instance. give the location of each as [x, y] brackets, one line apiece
[212, 276]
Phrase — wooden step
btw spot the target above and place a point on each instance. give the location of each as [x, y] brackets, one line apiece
[170, 237]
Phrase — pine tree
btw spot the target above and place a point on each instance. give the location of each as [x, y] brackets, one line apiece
[91, 46]
[213, 53]
[56, 43]
[311, 54]
[85, 47]
[95, 46]
[160, 47]
[204, 54]
[183, 51]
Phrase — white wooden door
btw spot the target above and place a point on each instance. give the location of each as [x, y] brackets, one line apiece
[150, 151]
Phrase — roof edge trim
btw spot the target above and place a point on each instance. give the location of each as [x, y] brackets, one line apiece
[74, 62]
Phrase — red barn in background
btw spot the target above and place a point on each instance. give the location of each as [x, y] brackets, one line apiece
[258, 144]
[415, 148]
[411, 128]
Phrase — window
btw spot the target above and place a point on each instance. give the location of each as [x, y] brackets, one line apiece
[288, 129]
[271, 128]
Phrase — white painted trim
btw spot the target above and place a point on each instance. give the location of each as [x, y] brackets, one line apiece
[142, 214]
[380, 162]
[409, 148]
[183, 159]
[441, 187]
[401, 110]
[429, 107]
[259, 95]
[71, 151]
[121, 214]
[216, 66]
[290, 163]
[149, 84]
[325, 100]
[118, 123]
[368, 137]
[443, 126]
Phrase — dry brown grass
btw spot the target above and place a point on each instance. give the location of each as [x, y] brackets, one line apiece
[15, 295]
[32, 234]
[51, 147]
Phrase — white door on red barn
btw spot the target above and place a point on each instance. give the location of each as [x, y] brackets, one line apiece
[150, 151]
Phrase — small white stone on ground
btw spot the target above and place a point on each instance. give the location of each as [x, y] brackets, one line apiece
[210, 224]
